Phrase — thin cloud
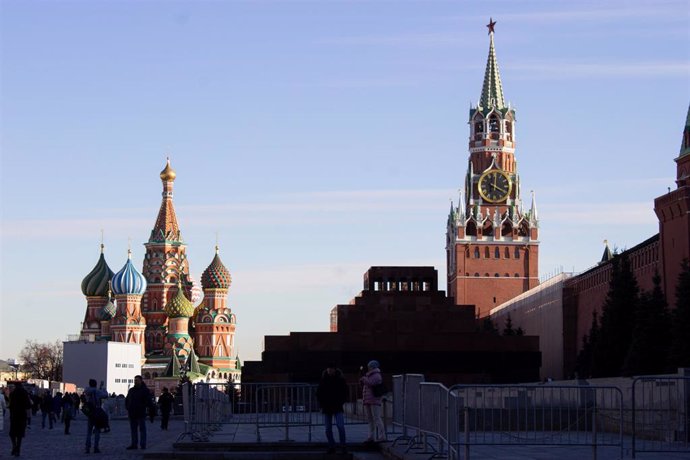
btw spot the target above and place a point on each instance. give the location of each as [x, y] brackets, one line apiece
[577, 70]
[596, 214]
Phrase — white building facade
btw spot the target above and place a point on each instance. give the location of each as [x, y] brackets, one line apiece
[113, 363]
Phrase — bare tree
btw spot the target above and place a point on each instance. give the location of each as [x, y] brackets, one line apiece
[42, 360]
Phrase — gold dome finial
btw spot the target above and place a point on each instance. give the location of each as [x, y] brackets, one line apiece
[168, 174]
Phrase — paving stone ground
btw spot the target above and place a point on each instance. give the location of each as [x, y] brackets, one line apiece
[46, 444]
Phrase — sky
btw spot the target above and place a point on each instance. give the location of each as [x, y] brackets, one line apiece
[314, 139]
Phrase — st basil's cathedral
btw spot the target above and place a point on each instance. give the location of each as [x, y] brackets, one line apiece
[161, 307]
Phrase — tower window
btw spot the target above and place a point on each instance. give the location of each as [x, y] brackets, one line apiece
[497, 253]
[476, 253]
[494, 126]
[487, 254]
[517, 253]
[507, 252]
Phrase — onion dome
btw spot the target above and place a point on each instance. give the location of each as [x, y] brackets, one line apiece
[96, 282]
[179, 306]
[129, 280]
[109, 309]
[168, 174]
[216, 276]
[197, 290]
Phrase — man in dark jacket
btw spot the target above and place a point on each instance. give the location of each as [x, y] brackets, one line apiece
[138, 402]
[165, 402]
[20, 404]
[332, 394]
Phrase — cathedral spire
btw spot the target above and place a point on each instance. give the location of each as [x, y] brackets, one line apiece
[166, 228]
[492, 90]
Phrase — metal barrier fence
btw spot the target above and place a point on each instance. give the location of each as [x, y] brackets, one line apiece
[661, 415]
[537, 415]
[446, 421]
[284, 406]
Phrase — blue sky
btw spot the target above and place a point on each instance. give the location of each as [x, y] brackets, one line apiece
[316, 139]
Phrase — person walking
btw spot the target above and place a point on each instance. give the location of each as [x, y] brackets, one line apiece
[138, 402]
[92, 399]
[331, 395]
[20, 405]
[372, 403]
[67, 411]
[47, 409]
[165, 403]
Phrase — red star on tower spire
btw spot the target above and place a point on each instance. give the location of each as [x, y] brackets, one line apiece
[491, 25]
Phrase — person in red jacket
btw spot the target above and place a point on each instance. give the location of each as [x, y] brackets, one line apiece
[372, 403]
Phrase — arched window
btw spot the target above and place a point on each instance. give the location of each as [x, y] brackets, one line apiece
[471, 229]
[487, 254]
[517, 253]
[478, 128]
[507, 253]
[509, 130]
[476, 274]
[476, 253]
[497, 253]
[494, 126]
[496, 275]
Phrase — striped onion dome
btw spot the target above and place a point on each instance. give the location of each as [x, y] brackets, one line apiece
[197, 290]
[216, 276]
[96, 282]
[179, 306]
[108, 311]
[129, 280]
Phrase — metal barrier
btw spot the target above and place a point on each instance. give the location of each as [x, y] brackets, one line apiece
[553, 415]
[661, 414]
[283, 406]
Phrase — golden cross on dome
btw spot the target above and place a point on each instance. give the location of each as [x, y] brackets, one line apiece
[491, 25]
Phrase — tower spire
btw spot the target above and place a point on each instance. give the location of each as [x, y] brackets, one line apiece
[492, 90]
[166, 227]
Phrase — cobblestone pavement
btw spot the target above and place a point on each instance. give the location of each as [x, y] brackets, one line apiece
[46, 444]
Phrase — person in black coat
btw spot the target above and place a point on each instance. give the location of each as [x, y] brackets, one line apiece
[331, 395]
[138, 402]
[20, 404]
[165, 402]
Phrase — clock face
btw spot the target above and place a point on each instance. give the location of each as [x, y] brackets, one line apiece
[494, 186]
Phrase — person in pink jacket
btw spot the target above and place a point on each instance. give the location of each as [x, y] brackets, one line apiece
[372, 404]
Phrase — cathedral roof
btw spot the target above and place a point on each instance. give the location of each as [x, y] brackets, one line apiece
[96, 282]
[129, 280]
[166, 227]
[179, 306]
[216, 276]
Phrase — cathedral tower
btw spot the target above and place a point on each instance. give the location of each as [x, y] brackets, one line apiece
[95, 287]
[214, 334]
[673, 212]
[128, 325]
[492, 242]
[165, 264]
[178, 341]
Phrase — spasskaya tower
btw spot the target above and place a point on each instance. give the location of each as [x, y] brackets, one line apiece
[492, 242]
